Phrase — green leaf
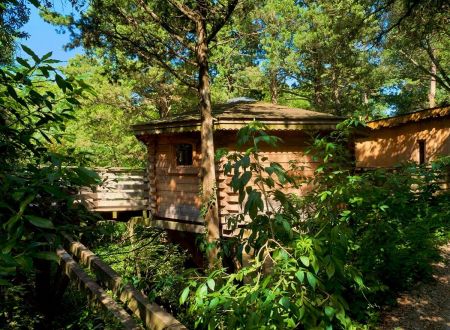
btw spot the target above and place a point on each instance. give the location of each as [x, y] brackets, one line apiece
[39, 222]
[202, 291]
[214, 302]
[30, 52]
[23, 62]
[52, 61]
[211, 284]
[312, 280]
[300, 276]
[284, 301]
[35, 3]
[46, 56]
[60, 82]
[184, 295]
[73, 100]
[245, 178]
[305, 260]
[330, 269]
[329, 311]
[4, 282]
[359, 280]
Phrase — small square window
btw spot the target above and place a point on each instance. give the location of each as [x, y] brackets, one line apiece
[184, 154]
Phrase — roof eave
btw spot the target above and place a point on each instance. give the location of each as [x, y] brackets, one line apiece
[195, 125]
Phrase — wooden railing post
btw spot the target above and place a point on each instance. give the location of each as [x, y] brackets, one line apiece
[153, 316]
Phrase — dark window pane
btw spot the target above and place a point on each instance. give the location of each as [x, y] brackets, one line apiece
[184, 154]
[422, 151]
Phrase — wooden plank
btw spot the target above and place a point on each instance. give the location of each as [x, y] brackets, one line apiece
[181, 188]
[153, 316]
[119, 178]
[178, 225]
[171, 199]
[120, 209]
[112, 195]
[120, 203]
[120, 186]
[77, 274]
[179, 212]
[178, 179]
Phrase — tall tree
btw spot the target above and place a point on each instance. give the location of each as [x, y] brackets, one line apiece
[13, 15]
[417, 42]
[177, 36]
[319, 54]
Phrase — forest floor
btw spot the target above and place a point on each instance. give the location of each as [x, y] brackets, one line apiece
[427, 306]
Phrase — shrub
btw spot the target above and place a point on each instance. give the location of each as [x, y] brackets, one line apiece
[37, 186]
[325, 259]
[144, 258]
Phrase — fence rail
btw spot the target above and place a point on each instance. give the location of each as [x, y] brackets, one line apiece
[121, 190]
[152, 316]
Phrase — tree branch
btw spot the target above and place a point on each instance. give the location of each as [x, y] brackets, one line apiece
[425, 70]
[222, 21]
[167, 27]
[434, 59]
[186, 11]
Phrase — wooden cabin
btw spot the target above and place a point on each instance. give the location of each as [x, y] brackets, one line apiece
[173, 146]
[420, 136]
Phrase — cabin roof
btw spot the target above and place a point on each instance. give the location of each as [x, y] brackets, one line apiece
[233, 116]
[409, 117]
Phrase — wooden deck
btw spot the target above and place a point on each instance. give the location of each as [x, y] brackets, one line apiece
[121, 190]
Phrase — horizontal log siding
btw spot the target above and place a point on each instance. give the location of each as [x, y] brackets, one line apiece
[290, 151]
[177, 187]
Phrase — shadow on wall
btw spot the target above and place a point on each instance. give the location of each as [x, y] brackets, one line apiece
[387, 147]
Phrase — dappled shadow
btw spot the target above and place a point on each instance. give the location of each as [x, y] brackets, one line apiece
[387, 147]
[427, 306]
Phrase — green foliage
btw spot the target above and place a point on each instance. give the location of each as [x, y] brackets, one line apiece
[333, 56]
[142, 256]
[14, 14]
[100, 127]
[37, 186]
[327, 258]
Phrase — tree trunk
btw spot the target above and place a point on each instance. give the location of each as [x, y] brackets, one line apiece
[336, 94]
[432, 92]
[208, 171]
[273, 87]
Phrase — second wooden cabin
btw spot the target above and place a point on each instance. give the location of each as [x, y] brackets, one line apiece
[173, 146]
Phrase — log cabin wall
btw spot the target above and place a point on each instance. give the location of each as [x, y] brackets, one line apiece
[389, 146]
[290, 151]
[177, 186]
[121, 190]
[175, 190]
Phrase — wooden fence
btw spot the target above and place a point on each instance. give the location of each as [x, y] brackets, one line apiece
[121, 190]
[151, 315]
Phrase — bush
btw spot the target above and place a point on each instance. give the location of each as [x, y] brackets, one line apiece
[144, 258]
[325, 259]
[37, 186]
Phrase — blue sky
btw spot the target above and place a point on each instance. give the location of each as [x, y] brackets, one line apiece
[44, 38]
